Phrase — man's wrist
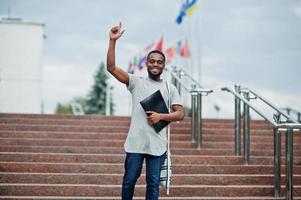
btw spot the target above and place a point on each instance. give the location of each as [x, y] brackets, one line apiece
[161, 116]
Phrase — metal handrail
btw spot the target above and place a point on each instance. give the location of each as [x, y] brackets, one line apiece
[184, 72]
[295, 126]
[267, 102]
[196, 92]
[77, 108]
[290, 126]
[249, 104]
[290, 110]
[176, 76]
[179, 73]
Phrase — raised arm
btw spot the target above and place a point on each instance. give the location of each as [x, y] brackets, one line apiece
[118, 73]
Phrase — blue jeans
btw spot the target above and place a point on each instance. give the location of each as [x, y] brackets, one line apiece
[133, 166]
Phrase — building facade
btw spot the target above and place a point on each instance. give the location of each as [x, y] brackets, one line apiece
[21, 45]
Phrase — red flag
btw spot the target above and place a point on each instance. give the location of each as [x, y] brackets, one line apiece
[159, 45]
[170, 53]
[185, 52]
[149, 47]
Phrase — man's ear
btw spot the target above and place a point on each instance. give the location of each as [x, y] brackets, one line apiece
[146, 63]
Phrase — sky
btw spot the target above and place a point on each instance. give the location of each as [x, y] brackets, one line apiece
[252, 43]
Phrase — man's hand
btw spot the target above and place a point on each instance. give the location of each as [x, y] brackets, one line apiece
[176, 115]
[117, 72]
[153, 117]
[116, 32]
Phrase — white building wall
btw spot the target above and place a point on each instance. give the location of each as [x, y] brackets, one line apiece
[20, 67]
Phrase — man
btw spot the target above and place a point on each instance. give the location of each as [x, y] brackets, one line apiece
[142, 141]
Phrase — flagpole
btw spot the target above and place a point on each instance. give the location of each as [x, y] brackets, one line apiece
[190, 31]
[199, 53]
[188, 60]
[185, 34]
[183, 60]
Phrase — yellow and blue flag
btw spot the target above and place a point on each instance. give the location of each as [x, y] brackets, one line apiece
[187, 9]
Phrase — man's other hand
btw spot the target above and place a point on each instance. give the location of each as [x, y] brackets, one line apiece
[116, 32]
[153, 117]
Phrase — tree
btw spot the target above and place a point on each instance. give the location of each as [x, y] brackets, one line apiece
[63, 109]
[96, 101]
[67, 107]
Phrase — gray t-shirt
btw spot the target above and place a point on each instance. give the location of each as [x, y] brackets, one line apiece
[142, 138]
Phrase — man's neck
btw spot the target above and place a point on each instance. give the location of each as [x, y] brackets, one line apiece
[154, 78]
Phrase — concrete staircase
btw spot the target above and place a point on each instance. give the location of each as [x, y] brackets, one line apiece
[81, 157]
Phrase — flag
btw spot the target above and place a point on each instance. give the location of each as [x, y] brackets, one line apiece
[135, 61]
[149, 47]
[187, 9]
[159, 45]
[179, 47]
[141, 62]
[170, 53]
[185, 52]
[191, 9]
[131, 68]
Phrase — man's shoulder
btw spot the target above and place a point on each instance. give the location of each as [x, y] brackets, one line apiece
[135, 77]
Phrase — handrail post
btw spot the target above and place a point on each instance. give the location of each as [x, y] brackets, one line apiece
[196, 92]
[179, 84]
[288, 111]
[237, 122]
[174, 80]
[277, 162]
[199, 119]
[246, 130]
[193, 115]
[289, 163]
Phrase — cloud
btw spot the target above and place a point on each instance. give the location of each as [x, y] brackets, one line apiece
[211, 60]
[298, 12]
[252, 42]
[226, 100]
[62, 83]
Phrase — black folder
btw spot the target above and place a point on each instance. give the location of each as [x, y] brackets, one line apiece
[156, 103]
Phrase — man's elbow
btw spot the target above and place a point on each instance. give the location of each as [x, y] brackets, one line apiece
[180, 115]
[110, 68]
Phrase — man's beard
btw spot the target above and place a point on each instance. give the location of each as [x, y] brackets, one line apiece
[155, 72]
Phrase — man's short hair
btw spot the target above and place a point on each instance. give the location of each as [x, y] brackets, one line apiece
[158, 52]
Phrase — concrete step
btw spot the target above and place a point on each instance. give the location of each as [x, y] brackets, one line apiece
[63, 117]
[111, 179]
[207, 136]
[119, 158]
[117, 168]
[114, 190]
[73, 122]
[103, 128]
[138, 198]
[120, 150]
[81, 157]
[120, 143]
